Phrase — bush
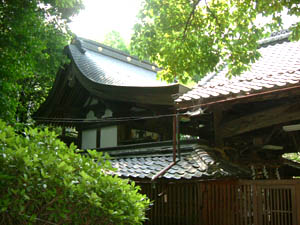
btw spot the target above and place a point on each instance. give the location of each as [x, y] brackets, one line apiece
[42, 181]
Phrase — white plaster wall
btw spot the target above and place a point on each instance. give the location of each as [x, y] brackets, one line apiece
[109, 136]
[89, 138]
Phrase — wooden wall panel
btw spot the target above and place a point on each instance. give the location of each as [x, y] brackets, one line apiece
[223, 202]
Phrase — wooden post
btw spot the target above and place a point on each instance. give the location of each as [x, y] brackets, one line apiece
[79, 138]
[178, 137]
[297, 204]
[217, 129]
[256, 203]
[98, 138]
[63, 134]
[174, 137]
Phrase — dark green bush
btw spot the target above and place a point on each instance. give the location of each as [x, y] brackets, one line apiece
[42, 181]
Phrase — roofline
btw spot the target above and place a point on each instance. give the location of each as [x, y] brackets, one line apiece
[225, 100]
[141, 150]
[121, 86]
[120, 55]
[271, 40]
[150, 144]
[262, 43]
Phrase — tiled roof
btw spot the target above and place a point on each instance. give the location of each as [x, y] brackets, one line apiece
[196, 162]
[278, 67]
[145, 161]
[104, 65]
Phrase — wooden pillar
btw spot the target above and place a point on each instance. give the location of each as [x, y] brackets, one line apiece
[98, 138]
[63, 132]
[79, 138]
[218, 115]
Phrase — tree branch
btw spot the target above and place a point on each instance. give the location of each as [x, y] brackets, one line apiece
[213, 14]
[190, 19]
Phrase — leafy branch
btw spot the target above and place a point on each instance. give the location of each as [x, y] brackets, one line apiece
[189, 20]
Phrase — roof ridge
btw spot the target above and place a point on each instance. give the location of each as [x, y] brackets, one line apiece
[281, 37]
[113, 52]
[149, 150]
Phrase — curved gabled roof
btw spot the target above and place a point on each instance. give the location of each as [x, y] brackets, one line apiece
[112, 74]
[107, 74]
[104, 65]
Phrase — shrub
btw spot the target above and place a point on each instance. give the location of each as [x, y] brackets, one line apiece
[42, 181]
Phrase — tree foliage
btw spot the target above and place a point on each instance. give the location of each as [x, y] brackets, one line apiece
[32, 37]
[115, 40]
[192, 38]
[42, 181]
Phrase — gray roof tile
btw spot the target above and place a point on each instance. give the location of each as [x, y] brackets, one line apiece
[278, 67]
[112, 67]
[196, 162]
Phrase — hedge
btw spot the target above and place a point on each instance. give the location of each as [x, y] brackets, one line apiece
[42, 181]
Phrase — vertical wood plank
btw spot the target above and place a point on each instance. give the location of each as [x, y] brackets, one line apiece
[216, 205]
[285, 207]
[245, 204]
[158, 203]
[205, 204]
[288, 207]
[236, 210]
[270, 197]
[261, 205]
[249, 205]
[226, 209]
[297, 203]
[270, 205]
[293, 202]
[255, 204]
[169, 206]
[279, 210]
[232, 207]
[282, 199]
[276, 211]
[228, 206]
[211, 202]
[240, 205]
[199, 210]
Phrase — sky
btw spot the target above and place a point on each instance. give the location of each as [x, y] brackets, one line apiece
[102, 16]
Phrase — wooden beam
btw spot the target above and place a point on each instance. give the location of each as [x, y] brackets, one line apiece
[265, 118]
[200, 132]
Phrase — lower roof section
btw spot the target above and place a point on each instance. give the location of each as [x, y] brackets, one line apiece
[144, 161]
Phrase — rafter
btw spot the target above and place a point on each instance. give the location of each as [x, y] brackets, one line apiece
[265, 118]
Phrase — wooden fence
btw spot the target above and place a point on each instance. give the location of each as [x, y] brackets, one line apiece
[268, 202]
